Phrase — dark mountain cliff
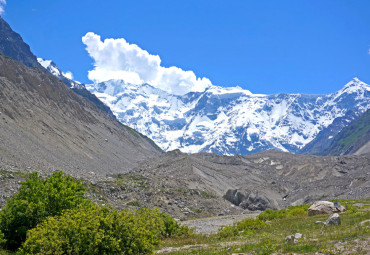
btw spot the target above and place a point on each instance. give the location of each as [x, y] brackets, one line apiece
[12, 45]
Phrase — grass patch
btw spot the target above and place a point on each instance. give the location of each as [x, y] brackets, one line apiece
[133, 132]
[255, 236]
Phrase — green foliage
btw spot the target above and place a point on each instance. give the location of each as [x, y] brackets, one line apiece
[250, 224]
[98, 230]
[227, 232]
[133, 132]
[2, 239]
[245, 227]
[292, 211]
[171, 227]
[272, 214]
[352, 235]
[295, 212]
[36, 200]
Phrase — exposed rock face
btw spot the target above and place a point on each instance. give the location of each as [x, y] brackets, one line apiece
[324, 207]
[250, 201]
[12, 45]
[334, 219]
[256, 202]
[234, 196]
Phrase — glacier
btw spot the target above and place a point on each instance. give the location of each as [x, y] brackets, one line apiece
[228, 120]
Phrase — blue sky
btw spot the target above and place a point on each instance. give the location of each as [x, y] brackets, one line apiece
[265, 46]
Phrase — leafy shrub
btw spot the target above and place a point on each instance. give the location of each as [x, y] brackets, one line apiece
[2, 240]
[36, 200]
[292, 211]
[170, 225]
[272, 214]
[227, 232]
[250, 224]
[96, 230]
[172, 228]
[295, 212]
[245, 227]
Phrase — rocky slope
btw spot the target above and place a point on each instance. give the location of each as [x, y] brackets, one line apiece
[326, 136]
[77, 87]
[352, 138]
[203, 184]
[229, 120]
[45, 125]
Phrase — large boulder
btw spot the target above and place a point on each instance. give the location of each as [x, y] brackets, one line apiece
[234, 196]
[255, 202]
[325, 207]
[248, 200]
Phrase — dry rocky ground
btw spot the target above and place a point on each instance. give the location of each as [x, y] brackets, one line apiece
[195, 186]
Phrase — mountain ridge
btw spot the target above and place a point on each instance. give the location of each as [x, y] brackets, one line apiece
[45, 125]
[352, 138]
[232, 120]
[13, 46]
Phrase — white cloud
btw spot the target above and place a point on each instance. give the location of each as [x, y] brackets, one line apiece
[2, 5]
[118, 59]
[68, 74]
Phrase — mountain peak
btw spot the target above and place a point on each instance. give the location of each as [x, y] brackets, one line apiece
[13, 46]
[54, 70]
[354, 86]
[229, 120]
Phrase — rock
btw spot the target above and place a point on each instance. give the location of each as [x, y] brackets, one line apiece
[234, 196]
[293, 238]
[255, 202]
[289, 239]
[334, 219]
[325, 207]
[297, 235]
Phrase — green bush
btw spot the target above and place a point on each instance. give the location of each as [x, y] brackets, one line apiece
[245, 227]
[96, 230]
[2, 239]
[172, 228]
[292, 211]
[227, 232]
[295, 212]
[272, 215]
[36, 200]
[250, 224]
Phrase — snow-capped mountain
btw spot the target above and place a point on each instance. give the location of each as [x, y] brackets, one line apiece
[228, 120]
[65, 77]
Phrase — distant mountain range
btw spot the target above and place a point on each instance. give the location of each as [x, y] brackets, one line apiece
[45, 125]
[224, 120]
[232, 120]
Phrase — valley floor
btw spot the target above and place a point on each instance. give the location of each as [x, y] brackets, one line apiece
[351, 237]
